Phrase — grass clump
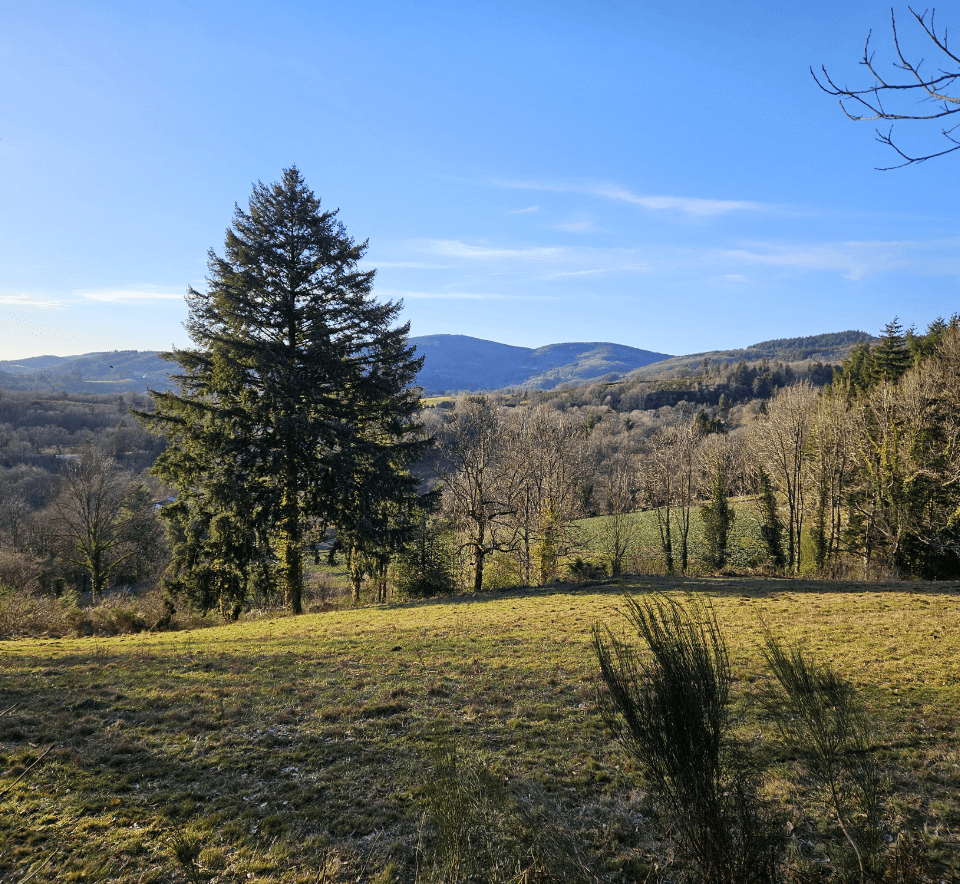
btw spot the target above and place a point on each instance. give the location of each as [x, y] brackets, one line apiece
[671, 711]
[487, 830]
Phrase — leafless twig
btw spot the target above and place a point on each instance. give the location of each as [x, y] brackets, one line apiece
[867, 104]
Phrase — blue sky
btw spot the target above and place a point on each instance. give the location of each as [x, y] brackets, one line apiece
[660, 174]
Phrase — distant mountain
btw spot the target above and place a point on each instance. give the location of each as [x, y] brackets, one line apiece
[452, 362]
[830, 348]
[459, 362]
[117, 371]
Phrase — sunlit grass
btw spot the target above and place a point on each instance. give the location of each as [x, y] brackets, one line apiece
[281, 744]
[745, 547]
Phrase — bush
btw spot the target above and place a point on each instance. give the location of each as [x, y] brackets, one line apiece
[822, 720]
[120, 612]
[670, 710]
[425, 568]
[586, 572]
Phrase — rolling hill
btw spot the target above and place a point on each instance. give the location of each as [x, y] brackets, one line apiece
[116, 371]
[452, 363]
[459, 362]
[830, 348]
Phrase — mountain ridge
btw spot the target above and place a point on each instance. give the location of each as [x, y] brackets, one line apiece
[456, 362]
[452, 363]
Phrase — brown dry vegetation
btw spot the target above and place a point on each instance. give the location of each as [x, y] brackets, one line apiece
[277, 749]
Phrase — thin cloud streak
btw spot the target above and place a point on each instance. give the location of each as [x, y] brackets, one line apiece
[460, 296]
[854, 260]
[454, 248]
[405, 265]
[619, 268]
[563, 258]
[695, 206]
[22, 299]
[133, 296]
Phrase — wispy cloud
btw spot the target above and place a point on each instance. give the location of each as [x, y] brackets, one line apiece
[135, 295]
[406, 265]
[575, 226]
[617, 267]
[525, 211]
[688, 205]
[395, 294]
[455, 248]
[560, 274]
[26, 300]
[855, 260]
[546, 262]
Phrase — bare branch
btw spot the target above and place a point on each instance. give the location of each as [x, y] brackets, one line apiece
[939, 87]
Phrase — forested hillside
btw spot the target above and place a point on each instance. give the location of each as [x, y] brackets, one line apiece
[856, 477]
[118, 371]
[454, 363]
[45, 528]
[830, 348]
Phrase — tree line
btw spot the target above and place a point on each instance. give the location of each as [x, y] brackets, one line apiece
[855, 479]
[76, 509]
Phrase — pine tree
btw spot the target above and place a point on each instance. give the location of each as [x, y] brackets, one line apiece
[295, 409]
[717, 517]
[771, 526]
[891, 357]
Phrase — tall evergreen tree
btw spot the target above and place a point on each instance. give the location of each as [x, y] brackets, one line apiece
[891, 357]
[295, 409]
[771, 526]
[717, 517]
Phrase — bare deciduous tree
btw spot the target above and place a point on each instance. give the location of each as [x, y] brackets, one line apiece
[480, 482]
[549, 446]
[101, 516]
[829, 469]
[780, 444]
[619, 488]
[670, 473]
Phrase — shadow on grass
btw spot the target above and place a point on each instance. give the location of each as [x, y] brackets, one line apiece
[751, 587]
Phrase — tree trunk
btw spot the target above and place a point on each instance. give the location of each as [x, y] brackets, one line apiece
[668, 544]
[356, 573]
[290, 545]
[479, 552]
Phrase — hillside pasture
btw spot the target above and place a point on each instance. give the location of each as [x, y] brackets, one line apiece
[745, 547]
[297, 749]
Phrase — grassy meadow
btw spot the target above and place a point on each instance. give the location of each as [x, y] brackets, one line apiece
[297, 749]
[744, 545]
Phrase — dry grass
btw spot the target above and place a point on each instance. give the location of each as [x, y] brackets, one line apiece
[25, 613]
[274, 749]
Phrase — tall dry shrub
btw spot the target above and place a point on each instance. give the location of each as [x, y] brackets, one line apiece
[670, 708]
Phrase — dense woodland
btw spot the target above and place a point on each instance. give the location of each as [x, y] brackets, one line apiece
[849, 470]
[47, 544]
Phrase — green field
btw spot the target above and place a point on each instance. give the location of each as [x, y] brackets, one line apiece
[281, 747]
[745, 548]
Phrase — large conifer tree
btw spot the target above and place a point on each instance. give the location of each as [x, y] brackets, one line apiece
[295, 409]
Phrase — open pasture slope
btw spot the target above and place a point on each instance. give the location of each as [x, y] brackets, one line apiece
[273, 749]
